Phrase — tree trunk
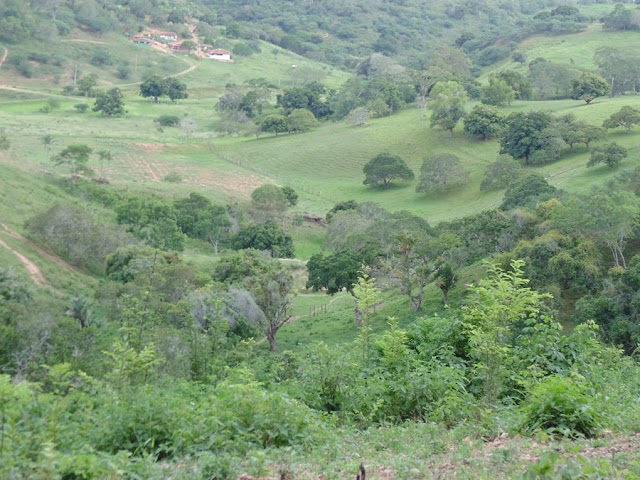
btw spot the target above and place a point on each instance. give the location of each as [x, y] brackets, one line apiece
[273, 346]
[445, 294]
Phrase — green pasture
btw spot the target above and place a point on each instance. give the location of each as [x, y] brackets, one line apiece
[576, 50]
[327, 162]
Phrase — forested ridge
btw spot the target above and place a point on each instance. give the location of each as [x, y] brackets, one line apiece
[319, 239]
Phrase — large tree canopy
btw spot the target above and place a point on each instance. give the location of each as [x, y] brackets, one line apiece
[383, 168]
[523, 134]
[588, 87]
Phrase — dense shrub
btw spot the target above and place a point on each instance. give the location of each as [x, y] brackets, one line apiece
[562, 406]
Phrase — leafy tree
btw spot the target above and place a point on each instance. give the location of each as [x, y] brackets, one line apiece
[620, 18]
[153, 87]
[77, 235]
[610, 154]
[301, 120]
[502, 305]
[614, 308]
[588, 87]
[12, 287]
[383, 168]
[189, 45]
[484, 121]
[198, 217]
[87, 84]
[310, 97]
[358, 117]
[76, 157]
[334, 272]
[269, 237]
[340, 207]
[591, 133]
[447, 105]
[413, 265]
[626, 117]
[441, 172]
[269, 201]
[274, 124]
[498, 93]
[290, 193]
[527, 191]
[523, 134]
[110, 103]
[620, 66]
[518, 82]
[550, 80]
[152, 221]
[80, 310]
[175, 89]
[445, 280]
[269, 283]
[608, 217]
[501, 174]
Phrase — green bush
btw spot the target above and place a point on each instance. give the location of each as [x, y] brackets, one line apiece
[168, 120]
[561, 406]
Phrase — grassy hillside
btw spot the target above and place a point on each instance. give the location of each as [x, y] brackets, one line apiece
[327, 163]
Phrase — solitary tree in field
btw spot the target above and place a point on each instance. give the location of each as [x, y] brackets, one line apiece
[75, 157]
[153, 87]
[447, 105]
[441, 172]
[610, 154]
[110, 103]
[501, 174]
[626, 117]
[381, 169]
[588, 87]
[523, 134]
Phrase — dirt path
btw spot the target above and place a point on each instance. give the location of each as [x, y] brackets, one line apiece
[54, 258]
[34, 271]
[188, 70]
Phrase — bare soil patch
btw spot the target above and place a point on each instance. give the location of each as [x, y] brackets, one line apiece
[54, 258]
[33, 270]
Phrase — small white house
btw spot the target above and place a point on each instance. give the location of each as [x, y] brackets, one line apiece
[170, 36]
[219, 54]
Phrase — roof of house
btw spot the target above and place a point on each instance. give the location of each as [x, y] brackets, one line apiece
[219, 51]
[168, 34]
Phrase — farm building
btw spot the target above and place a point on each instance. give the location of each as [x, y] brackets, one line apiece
[219, 54]
[170, 36]
[141, 41]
